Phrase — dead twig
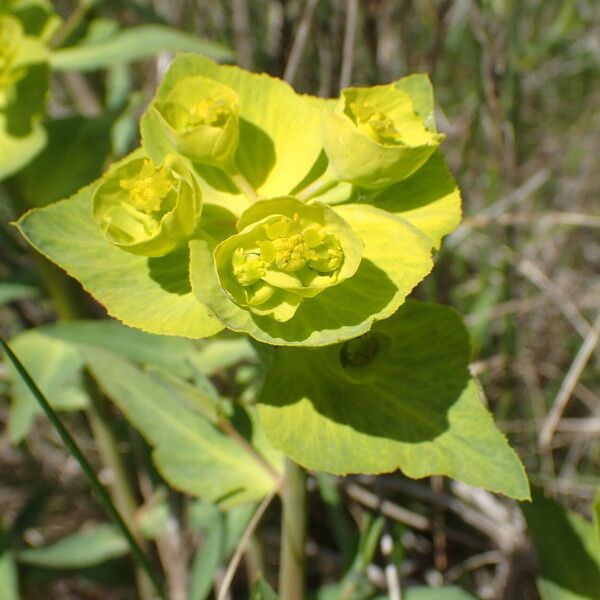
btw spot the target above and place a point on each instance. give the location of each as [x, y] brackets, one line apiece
[568, 385]
[299, 42]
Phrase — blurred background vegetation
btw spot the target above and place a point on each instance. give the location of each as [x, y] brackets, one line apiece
[518, 94]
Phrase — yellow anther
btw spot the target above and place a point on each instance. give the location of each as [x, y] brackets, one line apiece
[383, 127]
[211, 111]
[149, 189]
[375, 124]
[290, 249]
[248, 266]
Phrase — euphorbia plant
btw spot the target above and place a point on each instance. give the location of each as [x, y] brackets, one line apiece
[303, 223]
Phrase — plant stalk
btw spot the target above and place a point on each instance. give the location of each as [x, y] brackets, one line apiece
[293, 533]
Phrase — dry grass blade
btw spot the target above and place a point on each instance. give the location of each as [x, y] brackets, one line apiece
[568, 384]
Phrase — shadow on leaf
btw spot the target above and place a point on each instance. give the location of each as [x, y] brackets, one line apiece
[171, 272]
[416, 382]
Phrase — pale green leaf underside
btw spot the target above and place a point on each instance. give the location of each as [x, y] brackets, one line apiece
[56, 368]
[422, 414]
[17, 151]
[396, 257]
[82, 549]
[152, 294]
[169, 353]
[191, 453]
[132, 44]
[280, 134]
[429, 199]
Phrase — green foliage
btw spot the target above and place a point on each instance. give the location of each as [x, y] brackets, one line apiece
[9, 589]
[449, 592]
[11, 292]
[596, 513]
[52, 354]
[76, 148]
[399, 397]
[82, 549]
[294, 249]
[568, 551]
[221, 533]
[263, 591]
[132, 44]
[191, 453]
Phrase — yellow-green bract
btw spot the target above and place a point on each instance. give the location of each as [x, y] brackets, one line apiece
[375, 138]
[148, 209]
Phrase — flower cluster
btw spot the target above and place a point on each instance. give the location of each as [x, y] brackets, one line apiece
[294, 257]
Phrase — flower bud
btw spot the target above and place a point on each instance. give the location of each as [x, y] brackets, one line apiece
[148, 209]
[286, 252]
[200, 118]
[374, 138]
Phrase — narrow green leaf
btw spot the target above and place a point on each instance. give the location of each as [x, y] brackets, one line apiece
[263, 591]
[170, 353]
[447, 592]
[9, 584]
[100, 491]
[568, 551]
[221, 354]
[596, 513]
[132, 44]
[221, 533]
[11, 292]
[82, 549]
[402, 400]
[189, 451]
[208, 558]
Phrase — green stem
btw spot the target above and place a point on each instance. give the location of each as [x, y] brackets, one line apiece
[100, 491]
[293, 533]
[319, 186]
[71, 24]
[243, 185]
